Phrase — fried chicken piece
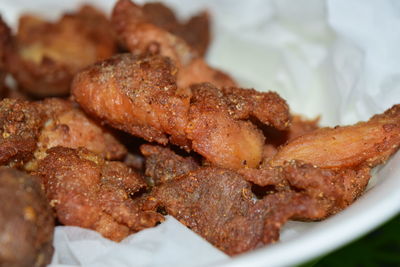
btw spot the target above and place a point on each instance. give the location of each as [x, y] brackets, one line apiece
[370, 142]
[336, 161]
[138, 94]
[29, 128]
[87, 191]
[218, 205]
[26, 221]
[68, 126]
[163, 164]
[217, 135]
[333, 190]
[140, 36]
[196, 31]
[20, 124]
[46, 55]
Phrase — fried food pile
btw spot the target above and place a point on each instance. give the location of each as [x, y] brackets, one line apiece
[146, 128]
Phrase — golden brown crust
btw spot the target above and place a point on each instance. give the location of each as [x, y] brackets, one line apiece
[217, 135]
[87, 191]
[20, 124]
[136, 94]
[26, 221]
[141, 36]
[45, 55]
[370, 142]
[68, 126]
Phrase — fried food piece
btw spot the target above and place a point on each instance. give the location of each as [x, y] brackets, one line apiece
[217, 135]
[332, 190]
[46, 55]
[26, 221]
[67, 126]
[5, 42]
[268, 107]
[138, 94]
[20, 124]
[140, 36]
[162, 164]
[196, 31]
[370, 142]
[29, 128]
[87, 191]
[218, 205]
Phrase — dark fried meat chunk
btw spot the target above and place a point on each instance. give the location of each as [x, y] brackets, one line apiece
[26, 221]
[46, 55]
[370, 142]
[163, 164]
[68, 126]
[138, 94]
[20, 124]
[218, 205]
[30, 128]
[87, 191]
[332, 190]
[140, 36]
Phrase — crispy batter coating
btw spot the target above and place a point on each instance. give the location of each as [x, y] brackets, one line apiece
[46, 55]
[20, 123]
[370, 142]
[87, 191]
[29, 128]
[138, 94]
[332, 190]
[268, 107]
[68, 126]
[218, 204]
[163, 164]
[26, 221]
[195, 31]
[142, 36]
[217, 135]
[135, 94]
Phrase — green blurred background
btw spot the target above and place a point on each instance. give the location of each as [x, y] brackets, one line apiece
[378, 248]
